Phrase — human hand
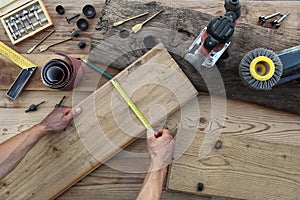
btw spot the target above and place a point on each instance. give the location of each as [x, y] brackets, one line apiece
[58, 119]
[160, 145]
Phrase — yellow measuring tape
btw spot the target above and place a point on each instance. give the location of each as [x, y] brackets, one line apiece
[133, 107]
[15, 57]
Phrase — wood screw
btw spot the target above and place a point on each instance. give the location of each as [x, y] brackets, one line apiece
[69, 19]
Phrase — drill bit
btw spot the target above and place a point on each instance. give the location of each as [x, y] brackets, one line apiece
[139, 26]
[128, 19]
[276, 23]
[263, 19]
[11, 29]
[22, 23]
[13, 20]
[33, 107]
[40, 42]
[33, 10]
[26, 14]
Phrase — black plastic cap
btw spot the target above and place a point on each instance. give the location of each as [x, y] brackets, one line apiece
[82, 24]
[60, 9]
[89, 11]
[81, 44]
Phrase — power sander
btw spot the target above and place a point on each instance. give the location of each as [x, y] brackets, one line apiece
[261, 69]
[214, 39]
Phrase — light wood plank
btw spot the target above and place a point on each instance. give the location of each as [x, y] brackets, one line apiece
[109, 183]
[259, 157]
[104, 127]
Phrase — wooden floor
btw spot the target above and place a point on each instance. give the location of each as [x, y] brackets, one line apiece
[106, 182]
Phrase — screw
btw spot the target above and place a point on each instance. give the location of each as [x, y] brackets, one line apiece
[200, 187]
[276, 23]
[69, 19]
[263, 19]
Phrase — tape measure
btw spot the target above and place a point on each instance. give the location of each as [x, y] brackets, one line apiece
[15, 57]
[133, 107]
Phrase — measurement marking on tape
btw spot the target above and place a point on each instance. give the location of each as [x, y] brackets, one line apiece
[15, 57]
[133, 107]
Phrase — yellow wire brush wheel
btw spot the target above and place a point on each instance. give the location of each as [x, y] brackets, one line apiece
[260, 69]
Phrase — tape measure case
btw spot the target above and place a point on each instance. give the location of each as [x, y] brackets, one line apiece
[24, 18]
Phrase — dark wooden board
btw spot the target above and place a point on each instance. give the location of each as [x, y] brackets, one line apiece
[176, 29]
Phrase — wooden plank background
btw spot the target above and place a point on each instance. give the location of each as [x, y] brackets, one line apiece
[97, 185]
[257, 157]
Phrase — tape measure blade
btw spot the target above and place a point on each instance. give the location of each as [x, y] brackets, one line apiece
[15, 57]
[131, 104]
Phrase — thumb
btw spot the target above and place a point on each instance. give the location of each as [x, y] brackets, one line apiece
[73, 113]
[150, 133]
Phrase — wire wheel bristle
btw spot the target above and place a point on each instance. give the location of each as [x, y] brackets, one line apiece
[249, 80]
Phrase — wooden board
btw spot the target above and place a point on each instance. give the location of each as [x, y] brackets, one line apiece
[60, 160]
[259, 156]
[109, 183]
[9, 72]
[97, 185]
[118, 47]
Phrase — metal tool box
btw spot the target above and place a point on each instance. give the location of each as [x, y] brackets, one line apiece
[24, 18]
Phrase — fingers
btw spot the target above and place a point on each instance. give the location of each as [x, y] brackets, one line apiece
[72, 113]
[150, 133]
[161, 134]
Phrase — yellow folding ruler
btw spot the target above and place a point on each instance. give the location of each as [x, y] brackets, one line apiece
[27, 69]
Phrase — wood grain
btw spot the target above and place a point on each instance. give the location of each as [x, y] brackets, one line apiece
[104, 127]
[118, 48]
[109, 183]
[90, 187]
[259, 151]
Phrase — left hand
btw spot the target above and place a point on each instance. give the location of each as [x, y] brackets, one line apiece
[59, 118]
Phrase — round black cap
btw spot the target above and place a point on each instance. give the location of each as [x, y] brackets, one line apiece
[89, 11]
[60, 9]
[82, 24]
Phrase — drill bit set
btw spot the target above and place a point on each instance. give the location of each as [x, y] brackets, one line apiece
[23, 19]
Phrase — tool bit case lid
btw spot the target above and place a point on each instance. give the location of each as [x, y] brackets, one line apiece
[22, 28]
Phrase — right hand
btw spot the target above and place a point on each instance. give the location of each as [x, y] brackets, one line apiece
[160, 145]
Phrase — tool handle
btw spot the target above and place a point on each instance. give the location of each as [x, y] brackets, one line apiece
[50, 45]
[42, 40]
[131, 18]
[97, 69]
